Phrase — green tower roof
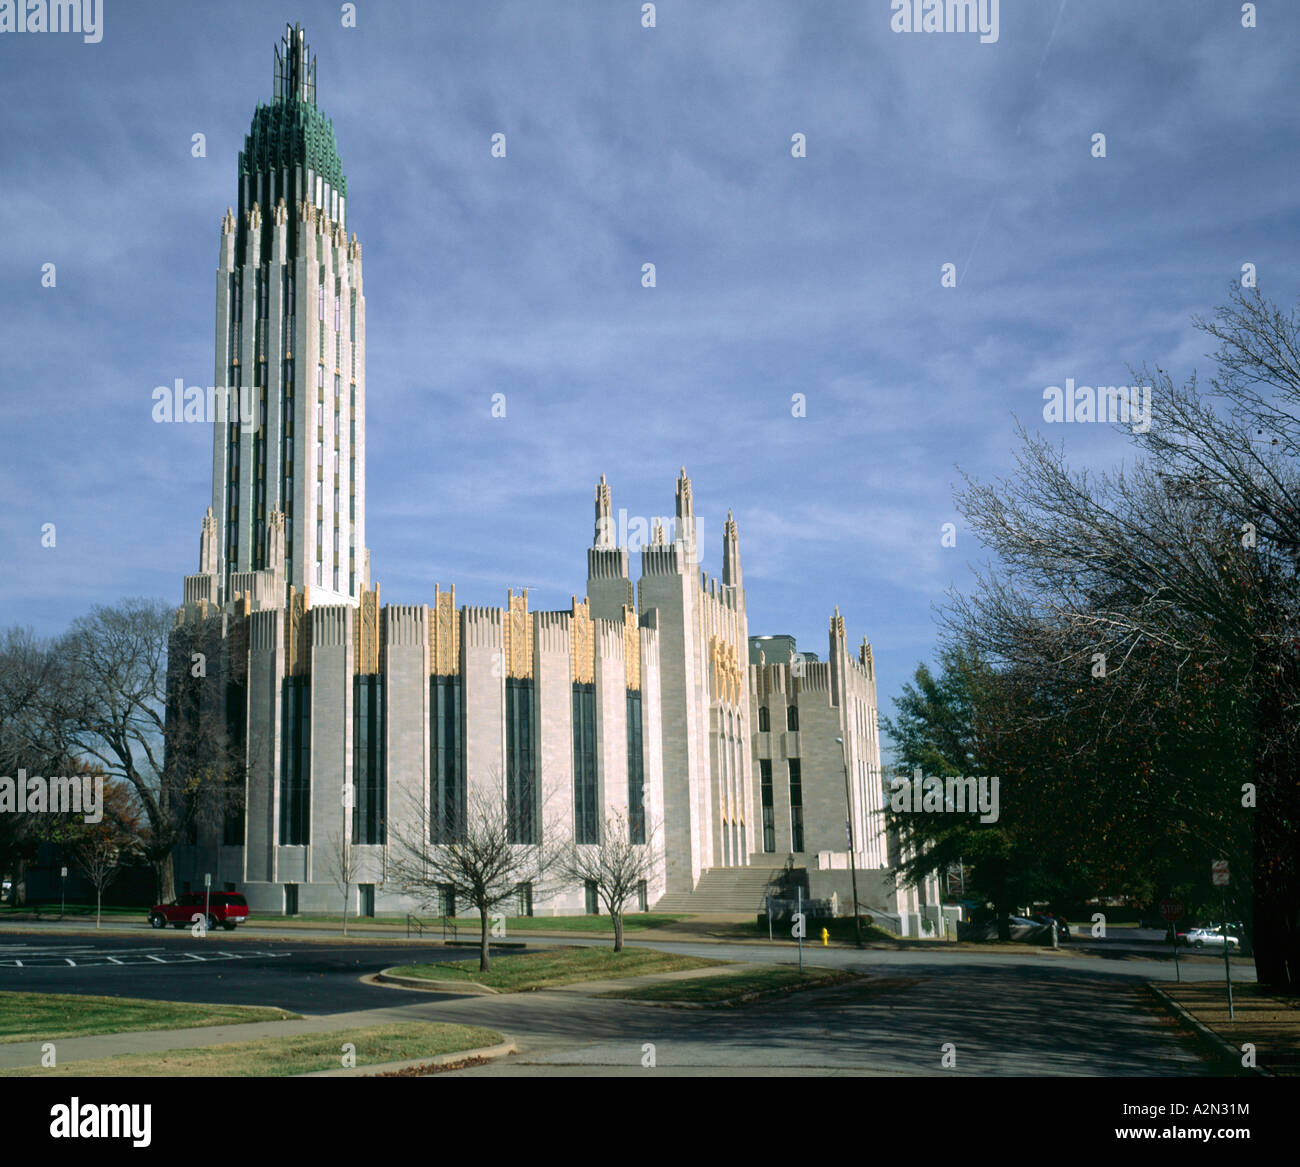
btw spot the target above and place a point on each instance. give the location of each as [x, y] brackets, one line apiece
[292, 131]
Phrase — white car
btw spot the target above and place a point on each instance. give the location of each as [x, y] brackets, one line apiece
[1200, 937]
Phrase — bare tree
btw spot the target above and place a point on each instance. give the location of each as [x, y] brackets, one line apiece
[342, 862]
[28, 742]
[1186, 560]
[98, 856]
[483, 867]
[115, 698]
[616, 866]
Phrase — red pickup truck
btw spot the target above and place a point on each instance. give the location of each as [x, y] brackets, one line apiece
[224, 908]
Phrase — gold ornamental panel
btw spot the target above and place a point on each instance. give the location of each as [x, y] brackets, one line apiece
[582, 644]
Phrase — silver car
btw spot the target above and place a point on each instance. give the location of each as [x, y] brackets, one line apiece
[1203, 937]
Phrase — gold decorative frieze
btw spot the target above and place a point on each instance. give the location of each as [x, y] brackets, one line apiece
[297, 634]
[582, 644]
[444, 634]
[518, 636]
[365, 633]
[632, 648]
[727, 677]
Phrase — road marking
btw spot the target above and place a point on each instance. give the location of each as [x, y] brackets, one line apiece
[93, 958]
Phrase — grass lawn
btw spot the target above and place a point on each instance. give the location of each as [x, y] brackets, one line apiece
[638, 922]
[601, 925]
[48, 908]
[1270, 1023]
[45, 1016]
[563, 966]
[728, 987]
[280, 1057]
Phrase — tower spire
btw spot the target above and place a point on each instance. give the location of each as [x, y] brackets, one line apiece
[604, 536]
[685, 533]
[731, 553]
[295, 67]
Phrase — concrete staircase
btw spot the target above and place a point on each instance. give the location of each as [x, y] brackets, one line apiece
[723, 889]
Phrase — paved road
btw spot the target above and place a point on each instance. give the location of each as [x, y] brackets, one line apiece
[309, 977]
[1038, 1013]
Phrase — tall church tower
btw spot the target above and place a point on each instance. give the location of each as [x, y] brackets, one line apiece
[289, 446]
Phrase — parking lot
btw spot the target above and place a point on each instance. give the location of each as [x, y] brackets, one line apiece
[93, 955]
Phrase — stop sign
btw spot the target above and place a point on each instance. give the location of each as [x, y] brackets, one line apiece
[1171, 909]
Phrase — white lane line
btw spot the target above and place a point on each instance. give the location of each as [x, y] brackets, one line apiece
[114, 960]
[159, 959]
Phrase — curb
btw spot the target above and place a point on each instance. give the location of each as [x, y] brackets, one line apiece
[486, 1053]
[1218, 1045]
[463, 988]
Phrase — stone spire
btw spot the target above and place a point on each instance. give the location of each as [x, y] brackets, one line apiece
[604, 537]
[838, 658]
[208, 545]
[730, 553]
[275, 545]
[609, 590]
[685, 516]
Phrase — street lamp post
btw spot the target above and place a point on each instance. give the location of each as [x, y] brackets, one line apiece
[853, 864]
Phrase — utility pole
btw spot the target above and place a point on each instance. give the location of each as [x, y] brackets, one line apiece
[853, 864]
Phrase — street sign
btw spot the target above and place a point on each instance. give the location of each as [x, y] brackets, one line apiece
[64, 873]
[1171, 909]
[1219, 873]
[207, 880]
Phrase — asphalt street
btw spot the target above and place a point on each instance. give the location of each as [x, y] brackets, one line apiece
[1038, 1013]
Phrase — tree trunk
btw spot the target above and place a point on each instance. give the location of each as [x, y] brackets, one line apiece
[99, 903]
[1004, 912]
[165, 878]
[484, 960]
[618, 931]
[346, 889]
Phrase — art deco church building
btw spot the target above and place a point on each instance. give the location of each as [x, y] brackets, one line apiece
[644, 700]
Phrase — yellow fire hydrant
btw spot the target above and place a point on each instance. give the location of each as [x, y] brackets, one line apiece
[826, 937]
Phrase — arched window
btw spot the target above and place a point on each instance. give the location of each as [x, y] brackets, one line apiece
[764, 720]
[792, 717]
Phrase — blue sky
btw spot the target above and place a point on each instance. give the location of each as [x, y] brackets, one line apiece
[625, 145]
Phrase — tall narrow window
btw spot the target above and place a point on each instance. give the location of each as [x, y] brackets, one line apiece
[796, 806]
[769, 814]
[792, 718]
[586, 821]
[764, 720]
[232, 832]
[368, 760]
[447, 777]
[295, 764]
[521, 796]
[635, 769]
